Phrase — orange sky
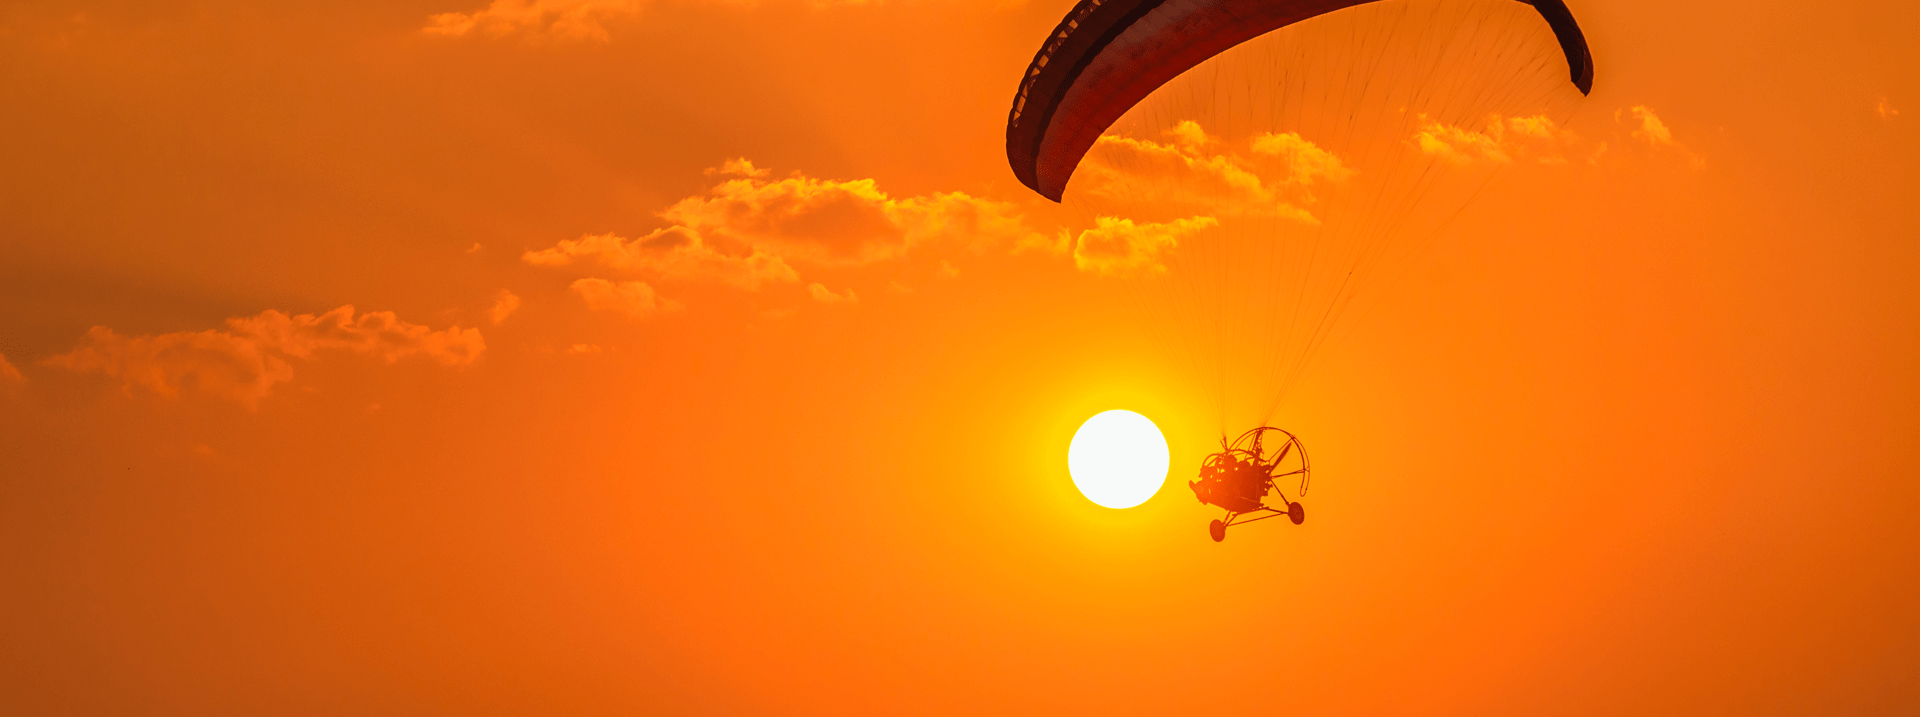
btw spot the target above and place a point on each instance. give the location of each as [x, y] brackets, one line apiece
[1635, 437]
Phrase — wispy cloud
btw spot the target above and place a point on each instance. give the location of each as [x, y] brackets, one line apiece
[1306, 163]
[1502, 140]
[215, 362]
[751, 231]
[7, 371]
[1652, 130]
[245, 361]
[634, 298]
[1193, 172]
[1118, 247]
[672, 254]
[839, 222]
[379, 333]
[1648, 128]
[504, 304]
[737, 167]
[556, 19]
[822, 294]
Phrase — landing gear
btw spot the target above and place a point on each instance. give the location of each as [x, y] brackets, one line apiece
[1294, 512]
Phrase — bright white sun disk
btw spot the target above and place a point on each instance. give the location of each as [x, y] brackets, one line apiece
[1118, 459]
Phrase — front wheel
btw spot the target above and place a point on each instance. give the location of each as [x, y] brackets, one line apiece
[1296, 513]
[1218, 530]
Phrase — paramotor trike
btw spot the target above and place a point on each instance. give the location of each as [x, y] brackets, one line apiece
[1245, 472]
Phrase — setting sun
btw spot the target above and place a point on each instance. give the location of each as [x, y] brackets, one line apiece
[508, 358]
[1118, 459]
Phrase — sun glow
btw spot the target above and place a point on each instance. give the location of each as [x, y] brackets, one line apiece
[1118, 459]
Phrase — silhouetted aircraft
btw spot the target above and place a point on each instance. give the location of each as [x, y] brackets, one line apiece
[1242, 476]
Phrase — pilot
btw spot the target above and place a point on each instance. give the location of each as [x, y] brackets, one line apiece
[1247, 482]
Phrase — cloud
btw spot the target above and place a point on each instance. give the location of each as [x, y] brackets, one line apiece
[758, 224]
[1539, 140]
[633, 298]
[1885, 109]
[956, 219]
[1657, 136]
[248, 359]
[1307, 163]
[672, 254]
[822, 294]
[556, 19]
[737, 167]
[504, 305]
[1504, 140]
[379, 333]
[751, 232]
[1652, 130]
[9, 374]
[1195, 172]
[215, 362]
[1121, 247]
[840, 222]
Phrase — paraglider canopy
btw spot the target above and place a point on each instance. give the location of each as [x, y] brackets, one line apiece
[1108, 55]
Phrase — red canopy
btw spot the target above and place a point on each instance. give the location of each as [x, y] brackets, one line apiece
[1108, 55]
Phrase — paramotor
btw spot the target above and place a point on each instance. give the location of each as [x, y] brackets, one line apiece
[1247, 472]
